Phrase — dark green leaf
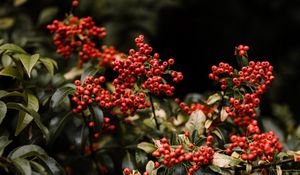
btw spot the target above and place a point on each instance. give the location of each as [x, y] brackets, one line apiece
[98, 115]
[11, 72]
[141, 158]
[54, 133]
[25, 118]
[27, 151]
[48, 63]
[47, 15]
[52, 167]
[147, 147]
[34, 114]
[88, 72]
[3, 110]
[59, 95]
[12, 48]
[28, 62]
[4, 94]
[242, 60]
[22, 166]
[3, 143]
[38, 167]
[128, 161]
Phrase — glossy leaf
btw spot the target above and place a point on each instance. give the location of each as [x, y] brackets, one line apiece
[88, 72]
[224, 161]
[141, 158]
[59, 95]
[6, 60]
[52, 166]
[128, 161]
[28, 62]
[224, 114]
[12, 48]
[196, 122]
[3, 110]
[4, 94]
[213, 99]
[98, 115]
[6, 22]
[11, 72]
[55, 132]
[22, 166]
[34, 114]
[147, 147]
[25, 118]
[48, 63]
[27, 151]
[47, 15]
[38, 168]
[3, 143]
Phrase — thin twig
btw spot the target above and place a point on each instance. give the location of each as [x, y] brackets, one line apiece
[153, 111]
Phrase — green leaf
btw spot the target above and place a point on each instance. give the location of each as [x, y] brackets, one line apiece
[52, 166]
[196, 122]
[147, 147]
[25, 118]
[49, 64]
[11, 72]
[6, 60]
[150, 167]
[28, 61]
[12, 48]
[98, 115]
[3, 143]
[6, 22]
[47, 15]
[38, 167]
[59, 95]
[26, 151]
[88, 72]
[54, 133]
[224, 161]
[34, 114]
[128, 161]
[219, 170]
[19, 2]
[22, 165]
[242, 60]
[141, 158]
[4, 94]
[3, 110]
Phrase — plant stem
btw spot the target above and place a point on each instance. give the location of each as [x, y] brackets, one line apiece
[93, 153]
[153, 111]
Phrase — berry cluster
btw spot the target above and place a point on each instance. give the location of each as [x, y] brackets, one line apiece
[249, 83]
[256, 147]
[78, 36]
[89, 92]
[195, 106]
[127, 171]
[242, 50]
[107, 126]
[141, 69]
[196, 156]
[108, 55]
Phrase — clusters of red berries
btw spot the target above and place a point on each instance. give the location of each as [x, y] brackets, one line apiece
[196, 156]
[108, 55]
[195, 106]
[107, 127]
[89, 92]
[254, 80]
[77, 35]
[140, 68]
[256, 147]
[242, 50]
[127, 171]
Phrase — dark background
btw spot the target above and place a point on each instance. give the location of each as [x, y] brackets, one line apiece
[199, 34]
